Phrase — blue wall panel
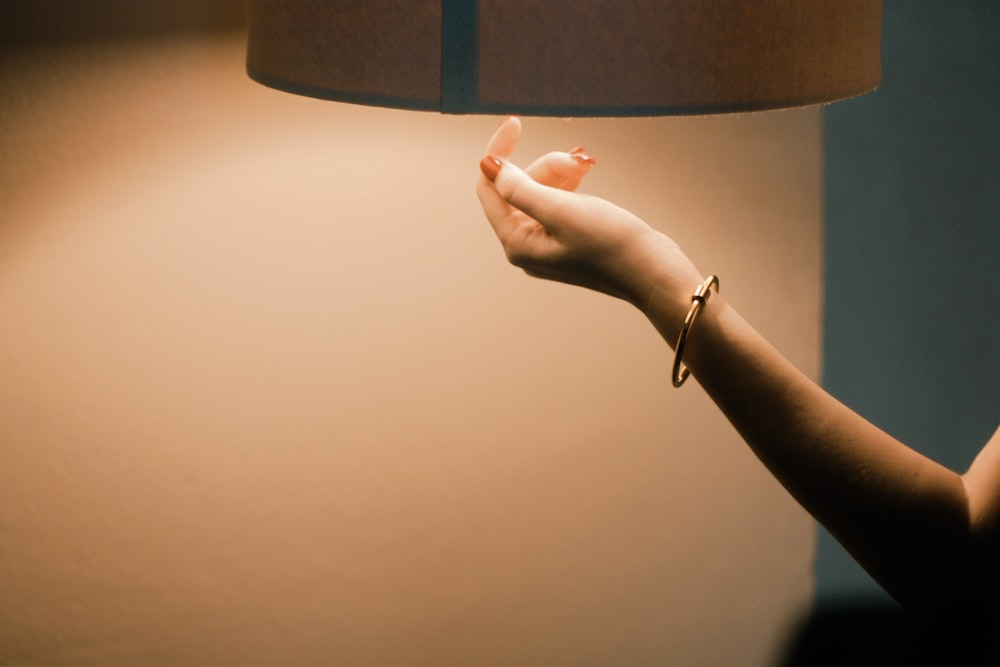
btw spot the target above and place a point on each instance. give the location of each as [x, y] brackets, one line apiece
[912, 247]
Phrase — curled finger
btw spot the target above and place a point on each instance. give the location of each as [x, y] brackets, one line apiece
[563, 170]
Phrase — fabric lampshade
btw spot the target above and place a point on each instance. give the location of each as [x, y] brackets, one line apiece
[568, 57]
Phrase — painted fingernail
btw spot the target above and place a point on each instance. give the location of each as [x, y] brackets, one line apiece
[578, 149]
[490, 166]
[583, 158]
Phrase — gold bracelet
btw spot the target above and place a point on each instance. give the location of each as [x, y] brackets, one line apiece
[698, 300]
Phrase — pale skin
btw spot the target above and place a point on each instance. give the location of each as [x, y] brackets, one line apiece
[929, 536]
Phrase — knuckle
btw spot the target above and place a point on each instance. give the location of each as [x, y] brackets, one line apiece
[511, 190]
[517, 255]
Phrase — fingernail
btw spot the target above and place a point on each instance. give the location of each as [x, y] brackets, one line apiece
[490, 166]
[583, 158]
[578, 149]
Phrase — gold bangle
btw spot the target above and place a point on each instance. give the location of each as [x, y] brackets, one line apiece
[698, 300]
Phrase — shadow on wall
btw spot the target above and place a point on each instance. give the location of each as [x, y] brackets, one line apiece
[878, 633]
[60, 21]
[910, 204]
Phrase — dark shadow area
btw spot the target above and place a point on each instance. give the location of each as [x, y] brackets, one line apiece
[39, 22]
[875, 633]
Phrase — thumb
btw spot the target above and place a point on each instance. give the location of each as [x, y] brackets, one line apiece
[553, 207]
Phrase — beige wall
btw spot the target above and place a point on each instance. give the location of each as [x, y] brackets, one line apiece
[269, 394]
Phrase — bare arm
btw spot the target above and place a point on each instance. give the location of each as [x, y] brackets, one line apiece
[921, 530]
[928, 535]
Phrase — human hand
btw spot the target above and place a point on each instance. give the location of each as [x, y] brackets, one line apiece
[550, 231]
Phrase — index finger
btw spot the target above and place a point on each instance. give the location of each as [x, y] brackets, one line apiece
[504, 140]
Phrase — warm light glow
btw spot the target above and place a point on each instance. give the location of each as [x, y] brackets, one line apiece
[282, 401]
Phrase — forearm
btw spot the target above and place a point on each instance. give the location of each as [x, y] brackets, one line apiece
[902, 516]
[906, 519]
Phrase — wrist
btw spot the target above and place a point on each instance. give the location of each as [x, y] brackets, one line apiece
[668, 293]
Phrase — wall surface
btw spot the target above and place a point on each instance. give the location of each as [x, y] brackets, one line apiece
[912, 274]
[270, 395]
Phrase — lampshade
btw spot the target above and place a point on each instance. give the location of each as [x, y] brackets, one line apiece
[568, 57]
